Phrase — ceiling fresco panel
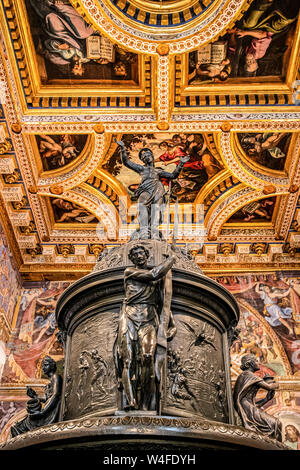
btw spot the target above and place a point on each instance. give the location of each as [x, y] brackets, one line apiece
[203, 165]
[259, 45]
[62, 62]
[68, 49]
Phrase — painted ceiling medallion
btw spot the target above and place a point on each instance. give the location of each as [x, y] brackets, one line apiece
[164, 13]
[160, 20]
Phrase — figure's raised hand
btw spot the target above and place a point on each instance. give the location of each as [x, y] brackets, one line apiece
[120, 143]
[240, 33]
[168, 251]
[185, 159]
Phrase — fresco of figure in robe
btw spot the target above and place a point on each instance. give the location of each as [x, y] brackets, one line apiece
[69, 49]
[259, 45]
[69, 212]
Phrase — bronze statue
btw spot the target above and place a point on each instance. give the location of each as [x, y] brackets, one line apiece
[245, 391]
[39, 415]
[140, 347]
[151, 194]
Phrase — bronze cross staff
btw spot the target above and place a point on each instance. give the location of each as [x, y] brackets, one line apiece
[165, 315]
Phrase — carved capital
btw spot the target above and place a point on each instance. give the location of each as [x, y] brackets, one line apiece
[12, 177]
[296, 226]
[32, 189]
[18, 205]
[291, 250]
[67, 250]
[33, 252]
[29, 229]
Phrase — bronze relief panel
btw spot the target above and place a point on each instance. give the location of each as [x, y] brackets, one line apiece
[91, 384]
[195, 382]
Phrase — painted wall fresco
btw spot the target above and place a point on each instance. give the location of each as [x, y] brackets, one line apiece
[266, 149]
[10, 283]
[256, 338]
[272, 302]
[9, 409]
[56, 151]
[269, 324]
[69, 212]
[257, 46]
[71, 51]
[34, 334]
[256, 211]
[167, 148]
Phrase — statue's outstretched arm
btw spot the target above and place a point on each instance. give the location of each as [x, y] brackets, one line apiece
[176, 172]
[152, 275]
[162, 269]
[265, 400]
[125, 158]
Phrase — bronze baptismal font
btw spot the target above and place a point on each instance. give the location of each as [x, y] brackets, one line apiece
[146, 340]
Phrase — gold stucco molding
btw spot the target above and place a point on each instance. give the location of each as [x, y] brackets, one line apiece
[103, 16]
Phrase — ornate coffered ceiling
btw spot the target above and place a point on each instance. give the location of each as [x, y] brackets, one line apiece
[216, 79]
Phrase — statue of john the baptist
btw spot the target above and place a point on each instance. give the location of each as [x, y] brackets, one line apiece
[151, 193]
[145, 325]
[146, 322]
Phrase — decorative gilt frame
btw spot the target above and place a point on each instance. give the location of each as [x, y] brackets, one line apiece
[36, 98]
[253, 90]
